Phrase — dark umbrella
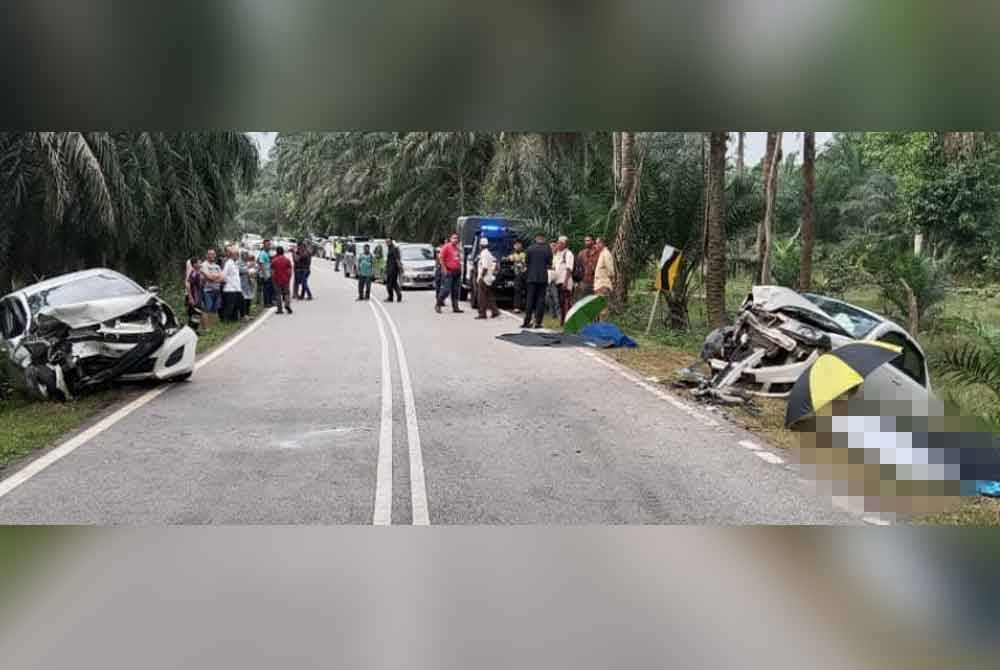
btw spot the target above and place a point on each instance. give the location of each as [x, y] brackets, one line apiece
[835, 373]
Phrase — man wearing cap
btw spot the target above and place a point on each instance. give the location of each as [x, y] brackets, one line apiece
[485, 276]
[562, 263]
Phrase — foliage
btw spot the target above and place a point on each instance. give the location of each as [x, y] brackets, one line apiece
[927, 277]
[136, 201]
[785, 262]
[977, 362]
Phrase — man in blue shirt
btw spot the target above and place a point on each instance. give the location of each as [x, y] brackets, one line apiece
[264, 274]
[366, 272]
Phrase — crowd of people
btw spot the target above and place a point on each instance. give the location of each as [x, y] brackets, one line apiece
[227, 288]
[548, 276]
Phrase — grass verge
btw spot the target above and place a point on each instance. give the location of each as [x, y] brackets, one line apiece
[30, 425]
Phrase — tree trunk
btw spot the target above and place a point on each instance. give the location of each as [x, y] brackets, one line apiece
[913, 311]
[739, 154]
[770, 197]
[715, 261]
[768, 156]
[616, 165]
[808, 209]
[461, 195]
[628, 222]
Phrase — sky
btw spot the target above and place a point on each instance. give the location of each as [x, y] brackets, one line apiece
[753, 149]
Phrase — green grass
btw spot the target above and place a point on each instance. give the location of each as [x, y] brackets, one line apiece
[30, 425]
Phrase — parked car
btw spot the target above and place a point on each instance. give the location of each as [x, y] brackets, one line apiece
[779, 333]
[80, 331]
[418, 265]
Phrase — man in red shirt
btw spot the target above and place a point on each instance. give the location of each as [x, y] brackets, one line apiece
[451, 275]
[281, 274]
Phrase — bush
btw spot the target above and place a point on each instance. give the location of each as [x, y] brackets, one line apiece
[925, 276]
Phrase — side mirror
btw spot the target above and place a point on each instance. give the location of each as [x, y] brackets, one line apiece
[153, 289]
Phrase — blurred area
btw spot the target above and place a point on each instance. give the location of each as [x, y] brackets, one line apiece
[897, 459]
[449, 64]
[500, 598]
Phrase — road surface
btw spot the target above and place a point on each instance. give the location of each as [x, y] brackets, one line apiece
[362, 412]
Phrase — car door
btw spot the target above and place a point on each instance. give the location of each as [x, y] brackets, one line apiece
[904, 378]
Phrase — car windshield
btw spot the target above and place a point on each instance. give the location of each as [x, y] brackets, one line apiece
[416, 253]
[94, 287]
[851, 319]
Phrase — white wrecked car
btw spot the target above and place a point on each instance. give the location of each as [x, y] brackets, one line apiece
[73, 333]
[779, 333]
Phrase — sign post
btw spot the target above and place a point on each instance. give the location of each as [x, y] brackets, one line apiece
[666, 275]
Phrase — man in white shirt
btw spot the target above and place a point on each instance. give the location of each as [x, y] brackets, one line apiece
[562, 263]
[232, 288]
[486, 274]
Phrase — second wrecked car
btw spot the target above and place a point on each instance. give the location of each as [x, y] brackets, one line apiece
[80, 331]
[778, 333]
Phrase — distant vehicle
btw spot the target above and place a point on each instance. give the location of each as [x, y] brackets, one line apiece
[418, 265]
[80, 331]
[353, 246]
[501, 233]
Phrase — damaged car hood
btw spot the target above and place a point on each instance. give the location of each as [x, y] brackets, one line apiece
[94, 312]
[776, 298]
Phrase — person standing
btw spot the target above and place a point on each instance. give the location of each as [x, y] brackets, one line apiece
[303, 268]
[211, 272]
[538, 260]
[366, 273]
[604, 274]
[232, 289]
[264, 274]
[338, 254]
[281, 274]
[520, 286]
[392, 270]
[552, 291]
[248, 276]
[486, 272]
[583, 269]
[451, 284]
[193, 294]
[563, 265]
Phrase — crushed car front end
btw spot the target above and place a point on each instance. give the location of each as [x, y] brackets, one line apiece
[69, 349]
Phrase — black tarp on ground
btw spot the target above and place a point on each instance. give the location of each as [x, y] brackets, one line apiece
[529, 338]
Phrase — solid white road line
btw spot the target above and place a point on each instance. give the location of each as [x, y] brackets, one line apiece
[383, 470]
[74, 443]
[747, 444]
[768, 457]
[418, 488]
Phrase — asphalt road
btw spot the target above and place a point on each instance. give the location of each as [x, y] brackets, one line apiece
[296, 424]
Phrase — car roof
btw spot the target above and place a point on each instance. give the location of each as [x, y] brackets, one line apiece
[67, 278]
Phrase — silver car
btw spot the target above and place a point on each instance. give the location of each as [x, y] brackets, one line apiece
[76, 332]
[779, 333]
[418, 265]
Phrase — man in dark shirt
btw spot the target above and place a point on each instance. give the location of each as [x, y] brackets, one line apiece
[538, 261]
[392, 270]
[303, 266]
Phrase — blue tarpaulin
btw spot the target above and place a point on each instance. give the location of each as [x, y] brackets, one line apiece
[988, 488]
[605, 334]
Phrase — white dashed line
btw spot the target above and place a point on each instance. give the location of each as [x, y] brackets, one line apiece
[747, 444]
[74, 443]
[768, 457]
[876, 521]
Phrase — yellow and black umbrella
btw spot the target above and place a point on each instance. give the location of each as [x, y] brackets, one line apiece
[670, 265]
[835, 373]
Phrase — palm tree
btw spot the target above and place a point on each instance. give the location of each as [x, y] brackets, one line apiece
[715, 235]
[977, 363]
[808, 209]
[628, 221]
[770, 198]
